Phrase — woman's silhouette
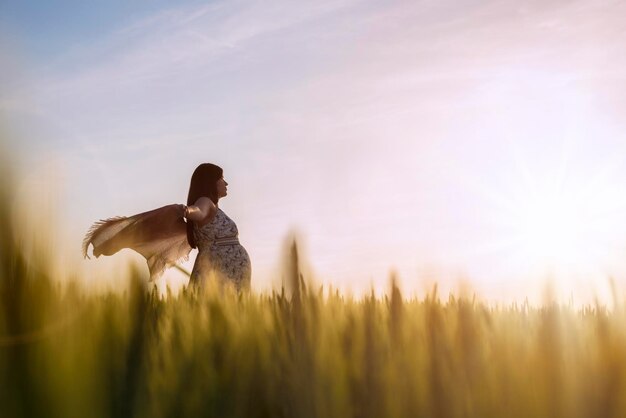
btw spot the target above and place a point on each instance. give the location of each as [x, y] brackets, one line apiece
[214, 234]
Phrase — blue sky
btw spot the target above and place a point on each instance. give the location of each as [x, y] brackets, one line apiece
[402, 135]
[46, 29]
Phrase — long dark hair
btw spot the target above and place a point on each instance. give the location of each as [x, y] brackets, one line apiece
[203, 183]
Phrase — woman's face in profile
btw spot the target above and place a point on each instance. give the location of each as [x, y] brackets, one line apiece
[221, 188]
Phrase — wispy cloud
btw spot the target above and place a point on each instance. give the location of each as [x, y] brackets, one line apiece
[174, 41]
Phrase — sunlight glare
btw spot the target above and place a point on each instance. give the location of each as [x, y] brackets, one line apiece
[568, 228]
[551, 228]
[551, 195]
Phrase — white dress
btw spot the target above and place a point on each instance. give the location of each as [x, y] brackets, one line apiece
[220, 253]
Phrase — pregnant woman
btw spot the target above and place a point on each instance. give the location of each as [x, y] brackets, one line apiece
[209, 229]
[164, 238]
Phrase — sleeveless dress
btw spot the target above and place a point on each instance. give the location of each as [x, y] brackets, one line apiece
[221, 254]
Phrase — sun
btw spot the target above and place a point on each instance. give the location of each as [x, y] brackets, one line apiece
[549, 227]
[568, 223]
[544, 183]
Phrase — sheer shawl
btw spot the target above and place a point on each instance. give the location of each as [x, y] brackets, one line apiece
[159, 235]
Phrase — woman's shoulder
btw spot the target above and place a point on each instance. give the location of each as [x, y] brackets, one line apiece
[208, 209]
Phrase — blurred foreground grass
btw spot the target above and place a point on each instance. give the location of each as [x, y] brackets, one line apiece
[67, 353]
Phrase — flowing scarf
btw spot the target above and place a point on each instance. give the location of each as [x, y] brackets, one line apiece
[159, 235]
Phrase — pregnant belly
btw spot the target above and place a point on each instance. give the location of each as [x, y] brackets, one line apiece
[231, 260]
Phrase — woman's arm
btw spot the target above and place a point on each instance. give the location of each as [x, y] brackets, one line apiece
[202, 211]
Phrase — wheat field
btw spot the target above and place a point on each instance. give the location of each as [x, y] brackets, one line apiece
[65, 352]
